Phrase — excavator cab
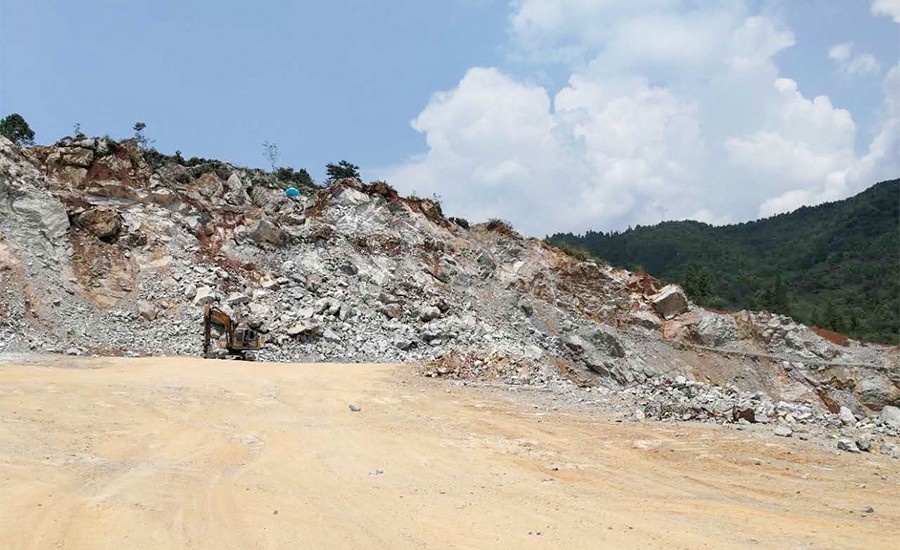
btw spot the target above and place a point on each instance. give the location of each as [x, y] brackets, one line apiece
[246, 338]
[239, 339]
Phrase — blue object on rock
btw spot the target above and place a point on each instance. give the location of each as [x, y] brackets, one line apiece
[292, 192]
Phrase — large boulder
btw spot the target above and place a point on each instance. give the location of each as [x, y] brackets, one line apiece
[163, 196]
[847, 417]
[429, 313]
[237, 191]
[265, 231]
[392, 311]
[208, 185]
[105, 224]
[147, 310]
[876, 390]
[237, 298]
[644, 318]
[270, 200]
[205, 295]
[716, 329]
[891, 416]
[305, 328]
[670, 301]
[348, 196]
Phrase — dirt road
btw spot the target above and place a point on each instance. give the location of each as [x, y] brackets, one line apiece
[186, 453]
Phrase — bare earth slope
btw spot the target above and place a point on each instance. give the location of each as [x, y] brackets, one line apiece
[186, 453]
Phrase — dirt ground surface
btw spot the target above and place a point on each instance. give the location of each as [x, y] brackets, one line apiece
[189, 453]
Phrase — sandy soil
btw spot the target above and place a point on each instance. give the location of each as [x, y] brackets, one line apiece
[187, 453]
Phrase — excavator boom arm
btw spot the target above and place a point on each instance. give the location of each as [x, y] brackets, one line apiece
[215, 316]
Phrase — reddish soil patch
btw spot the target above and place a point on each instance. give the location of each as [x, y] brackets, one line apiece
[831, 336]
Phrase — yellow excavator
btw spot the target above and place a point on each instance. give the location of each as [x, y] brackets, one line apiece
[240, 339]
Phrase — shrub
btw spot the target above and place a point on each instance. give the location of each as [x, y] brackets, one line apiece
[462, 222]
[342, 169]
[142, 140]
[197, 161]
[154, 158]
[14, 128]
[271, 152]
[500, 226]
[299, 178]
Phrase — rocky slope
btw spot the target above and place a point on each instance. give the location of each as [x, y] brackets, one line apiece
[107, 249]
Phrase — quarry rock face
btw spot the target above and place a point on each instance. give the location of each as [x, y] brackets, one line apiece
[355, 272]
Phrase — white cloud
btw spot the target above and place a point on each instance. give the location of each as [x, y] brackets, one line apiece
[805, 141]
[889, 8]
[672, 110]
[484, 137]
[853, 65]
[843, 173]
[863, 64]
[882, 160]
[840, 52]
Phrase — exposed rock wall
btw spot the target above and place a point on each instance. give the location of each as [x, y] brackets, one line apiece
[102, 252]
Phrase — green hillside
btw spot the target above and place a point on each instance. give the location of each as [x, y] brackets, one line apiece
[835, 265]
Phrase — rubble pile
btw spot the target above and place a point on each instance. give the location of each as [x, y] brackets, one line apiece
[492, 366]
[106, 248]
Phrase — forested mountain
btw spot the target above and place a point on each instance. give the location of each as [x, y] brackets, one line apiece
[836, 265]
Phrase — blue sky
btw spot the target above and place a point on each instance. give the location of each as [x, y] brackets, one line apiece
[555, 114]
[324, 80]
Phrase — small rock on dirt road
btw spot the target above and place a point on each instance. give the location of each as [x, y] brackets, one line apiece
[783, 431]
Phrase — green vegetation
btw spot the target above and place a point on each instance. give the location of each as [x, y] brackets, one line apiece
[835, 265]
[271, 152]
[14, 128]
[142, 140]
[285, 175]
[298, 178]
[341, 170]
[577, 252]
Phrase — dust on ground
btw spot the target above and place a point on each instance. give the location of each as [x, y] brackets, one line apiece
[191, 453]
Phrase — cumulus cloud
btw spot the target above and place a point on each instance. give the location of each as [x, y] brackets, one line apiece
[882, 160]
[838, 172]
[672, 110]
[502, 148]
[840, 52]
[853, 65]
[889, 8]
